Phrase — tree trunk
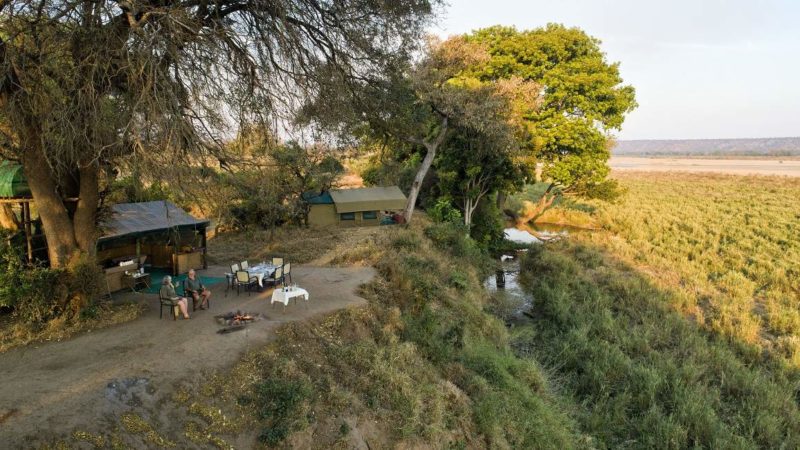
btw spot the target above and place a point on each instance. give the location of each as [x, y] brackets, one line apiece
[67, 237]
[469, 208]
[501, 200]
[85, 218]
[532, 212]
[430, 153]
[8, 219]
[62, 248]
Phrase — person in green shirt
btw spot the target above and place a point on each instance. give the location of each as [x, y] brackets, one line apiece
[168, 291]
[196, 290]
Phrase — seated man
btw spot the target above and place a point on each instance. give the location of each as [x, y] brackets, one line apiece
[196, 290]
[168, 292]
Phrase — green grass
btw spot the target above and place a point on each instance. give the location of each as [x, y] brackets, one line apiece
[677, 325]
[639, 373]
[727, 246]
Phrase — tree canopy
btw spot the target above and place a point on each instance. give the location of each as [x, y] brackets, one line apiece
[85, 85]
[582, 99]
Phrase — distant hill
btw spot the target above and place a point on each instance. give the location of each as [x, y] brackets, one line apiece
[788, 146]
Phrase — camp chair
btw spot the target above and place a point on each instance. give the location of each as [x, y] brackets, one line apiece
[287, 271]
[188, 294]
[245, 265]
[171, 302]
[231, 278]
[276, 277]
[277, 261]
[243, 278]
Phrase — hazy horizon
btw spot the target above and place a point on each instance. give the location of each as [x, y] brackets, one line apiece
[702, 70]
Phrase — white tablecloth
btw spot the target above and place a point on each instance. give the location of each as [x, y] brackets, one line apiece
[281, 296]
[262, 271]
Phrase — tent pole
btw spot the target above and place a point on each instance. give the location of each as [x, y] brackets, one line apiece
[26, 220]
[205, 249]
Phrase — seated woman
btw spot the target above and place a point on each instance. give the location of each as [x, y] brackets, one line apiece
[168, 291]
[196, 289]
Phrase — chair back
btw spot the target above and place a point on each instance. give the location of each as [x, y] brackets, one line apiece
[242, 276]
[234, 268]
[245, 265]
[278, 273]
[287, 268]
[276, 261]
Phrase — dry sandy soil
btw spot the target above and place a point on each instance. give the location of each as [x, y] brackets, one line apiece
[52, 389]
[787, 167]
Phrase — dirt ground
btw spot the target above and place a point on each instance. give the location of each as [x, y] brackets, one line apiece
[54, 389]
[750, 166]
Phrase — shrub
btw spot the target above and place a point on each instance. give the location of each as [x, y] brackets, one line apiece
[454, 239]
[279, 402]
[32, 291]
[443, 211]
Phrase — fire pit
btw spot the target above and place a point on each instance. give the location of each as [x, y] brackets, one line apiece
[235, 321]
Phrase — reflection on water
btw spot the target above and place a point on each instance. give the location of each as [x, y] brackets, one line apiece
[504, 285]
[506, 288]
[521, 236]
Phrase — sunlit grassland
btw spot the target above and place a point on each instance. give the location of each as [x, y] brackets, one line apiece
[676, 325]
[726, 246]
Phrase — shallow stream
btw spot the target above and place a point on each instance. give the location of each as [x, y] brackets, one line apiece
[505, 284]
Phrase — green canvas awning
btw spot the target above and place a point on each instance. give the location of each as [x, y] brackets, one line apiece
[12, 181]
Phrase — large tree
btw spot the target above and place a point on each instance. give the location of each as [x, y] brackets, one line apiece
[84, 84]
[582, 100]
[415, 106]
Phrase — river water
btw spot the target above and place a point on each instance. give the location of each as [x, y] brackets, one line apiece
[505, 285]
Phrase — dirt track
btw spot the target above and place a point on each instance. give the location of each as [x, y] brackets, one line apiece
[786, 167]
[49, 390]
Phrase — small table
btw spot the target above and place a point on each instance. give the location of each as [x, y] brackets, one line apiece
[138, 279]
[283, 296]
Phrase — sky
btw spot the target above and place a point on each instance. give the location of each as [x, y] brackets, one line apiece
[702, 69]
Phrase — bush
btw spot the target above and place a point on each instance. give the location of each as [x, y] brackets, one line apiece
[38, 294]
[32, 291]
[454, 239]
[443, 211]
[279, 402]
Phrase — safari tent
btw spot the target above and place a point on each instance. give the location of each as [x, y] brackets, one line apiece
[353, 207]
[168, 236]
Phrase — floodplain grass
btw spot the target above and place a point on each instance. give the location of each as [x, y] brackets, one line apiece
[727, 246]
[640, 374]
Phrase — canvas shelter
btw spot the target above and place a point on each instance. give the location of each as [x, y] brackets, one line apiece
[13, 183]
[354, 207]
[165, 234]
[16, 199]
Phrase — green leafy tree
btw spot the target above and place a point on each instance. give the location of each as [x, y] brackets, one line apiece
[581, 101]
[414, 108]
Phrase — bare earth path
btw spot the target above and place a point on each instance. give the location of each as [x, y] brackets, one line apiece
[50, 389]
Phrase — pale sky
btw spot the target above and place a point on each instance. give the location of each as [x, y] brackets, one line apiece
[702, 69]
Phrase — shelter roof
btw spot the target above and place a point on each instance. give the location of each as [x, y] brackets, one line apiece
[142, 217]
[368, 199]
[12, 180]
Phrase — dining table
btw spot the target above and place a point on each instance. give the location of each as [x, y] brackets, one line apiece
[261, 271]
